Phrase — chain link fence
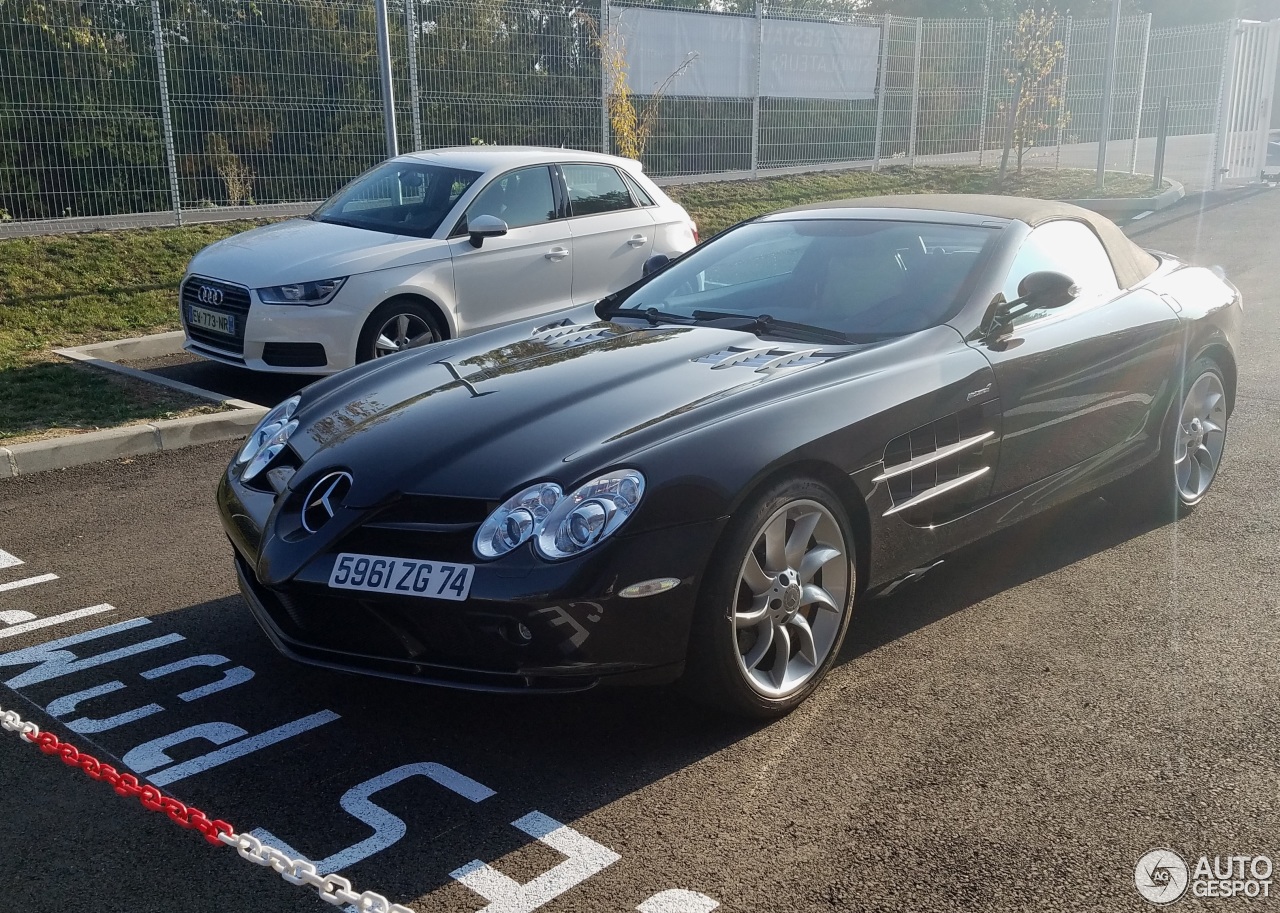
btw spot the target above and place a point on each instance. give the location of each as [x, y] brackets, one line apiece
[115, 108]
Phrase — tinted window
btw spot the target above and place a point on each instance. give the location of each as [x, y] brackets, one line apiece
[1063, 247]
[518, 198]
[596, 188]
[637, 191]
[853, 276]
[398, 197]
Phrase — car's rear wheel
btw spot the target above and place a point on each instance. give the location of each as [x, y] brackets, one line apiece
[776, 602]
[1194, 437]
[396, 325]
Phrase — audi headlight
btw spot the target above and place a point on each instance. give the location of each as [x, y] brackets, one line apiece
[310, 294]
[516, 521]
[270, 426]
[590, 515]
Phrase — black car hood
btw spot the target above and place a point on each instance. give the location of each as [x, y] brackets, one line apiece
[480, 417]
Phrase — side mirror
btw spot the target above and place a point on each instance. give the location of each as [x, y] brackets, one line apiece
[654, 263]
[482, 227]
[1046, 290]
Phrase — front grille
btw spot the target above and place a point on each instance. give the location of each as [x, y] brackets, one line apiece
[294, 354]
[235, 301]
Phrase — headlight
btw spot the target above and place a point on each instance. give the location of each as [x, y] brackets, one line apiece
[307, 293]
[516, 521]
[270, 449]
[590, 515]
[272, 423]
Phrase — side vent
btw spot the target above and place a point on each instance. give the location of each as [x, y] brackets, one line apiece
[564, 333]
[763, 360]
[936, 459]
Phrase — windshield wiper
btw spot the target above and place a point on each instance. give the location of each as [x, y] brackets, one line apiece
[651, 314]
[765, 324]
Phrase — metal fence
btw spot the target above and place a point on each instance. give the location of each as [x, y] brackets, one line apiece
[117, 107]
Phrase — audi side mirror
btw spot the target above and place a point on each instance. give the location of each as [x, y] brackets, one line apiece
[482, 227]
[654, 263]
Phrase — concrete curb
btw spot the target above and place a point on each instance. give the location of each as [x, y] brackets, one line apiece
[132, 440]
[1132, 206]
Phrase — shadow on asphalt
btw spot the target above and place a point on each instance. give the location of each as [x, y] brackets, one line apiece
[236, 383]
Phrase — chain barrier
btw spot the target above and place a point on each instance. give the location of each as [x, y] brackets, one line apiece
[333, 889]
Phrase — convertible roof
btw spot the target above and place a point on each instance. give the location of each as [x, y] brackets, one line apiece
[1132, 263]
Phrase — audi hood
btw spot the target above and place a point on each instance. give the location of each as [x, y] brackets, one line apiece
[301, 250]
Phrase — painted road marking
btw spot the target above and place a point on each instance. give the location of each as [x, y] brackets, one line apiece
[66, 704]
[232, 677]
[36, 623]
[678, 901]
[387, 828]
[54, 662]
[7, 560]
[505, 895]
[14, 616]
[27, 581]
[240, 749]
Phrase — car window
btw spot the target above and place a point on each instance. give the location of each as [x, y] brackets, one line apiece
[855, 276]
[637, 191]
[595, 189]
[518, 198]
[398, 197]
[1063, 247]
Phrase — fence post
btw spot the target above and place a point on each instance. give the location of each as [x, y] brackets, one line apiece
[604, 76]
[986, 90]
[411, 45]
[883, 77]
[915, 94]
[384, 70]
[1142, 90]
[166, 120]
[1222, 118]
[1108, 87]
[755, 98]
[1062, 99]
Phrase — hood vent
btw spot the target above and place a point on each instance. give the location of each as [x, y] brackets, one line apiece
[564, 333]
[764, 360]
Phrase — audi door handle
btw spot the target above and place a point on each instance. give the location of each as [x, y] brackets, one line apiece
[637, 240]
[557, 254]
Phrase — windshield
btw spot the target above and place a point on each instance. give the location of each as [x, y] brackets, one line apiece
[404, 198]
[856, 277]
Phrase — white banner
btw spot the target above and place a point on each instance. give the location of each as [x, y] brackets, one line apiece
[819, 60]
[798, 59]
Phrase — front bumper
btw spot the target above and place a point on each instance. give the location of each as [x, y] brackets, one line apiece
[577, 632]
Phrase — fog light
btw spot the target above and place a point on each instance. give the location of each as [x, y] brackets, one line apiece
[650, 587]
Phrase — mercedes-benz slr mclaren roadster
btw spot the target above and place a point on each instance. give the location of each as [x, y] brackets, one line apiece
[700, 475]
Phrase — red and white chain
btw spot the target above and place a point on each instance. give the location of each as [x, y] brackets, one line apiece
[333, 889]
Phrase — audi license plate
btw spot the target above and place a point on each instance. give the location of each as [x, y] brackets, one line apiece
[402, 576]
[211, 320]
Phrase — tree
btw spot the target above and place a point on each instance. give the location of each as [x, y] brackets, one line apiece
[1037, 82]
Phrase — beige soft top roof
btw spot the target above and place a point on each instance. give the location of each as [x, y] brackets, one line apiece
[1132, 263]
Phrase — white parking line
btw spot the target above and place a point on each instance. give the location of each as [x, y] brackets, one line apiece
[7, 560]
[14, 630]
[27, 581]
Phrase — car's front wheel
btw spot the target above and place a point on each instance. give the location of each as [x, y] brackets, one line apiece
[396, 325]
[776, 602]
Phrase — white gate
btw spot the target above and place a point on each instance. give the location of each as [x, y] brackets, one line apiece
[1245, 101]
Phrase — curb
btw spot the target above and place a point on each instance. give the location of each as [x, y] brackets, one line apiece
[132, 440]
[1132, 206]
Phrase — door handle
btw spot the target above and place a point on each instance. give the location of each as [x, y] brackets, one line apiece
[637, 240]
[556, 254]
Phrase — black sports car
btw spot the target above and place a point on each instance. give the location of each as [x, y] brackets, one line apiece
[700, 474]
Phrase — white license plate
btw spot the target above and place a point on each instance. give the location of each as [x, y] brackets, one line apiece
[211, 320]
[402, 576]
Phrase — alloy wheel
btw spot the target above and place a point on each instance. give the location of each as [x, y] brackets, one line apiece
[792, 595]
[1201, 435]
[400, 332]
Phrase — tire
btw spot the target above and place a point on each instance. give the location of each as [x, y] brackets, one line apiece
[411, 321]
[766, 590]
[1192, 442]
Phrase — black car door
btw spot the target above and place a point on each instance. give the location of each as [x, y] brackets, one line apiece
[1081, 381]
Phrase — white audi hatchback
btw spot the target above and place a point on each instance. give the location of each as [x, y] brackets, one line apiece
[424, 247]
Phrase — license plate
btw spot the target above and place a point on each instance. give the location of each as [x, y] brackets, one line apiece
[402, 576]
[211, 320]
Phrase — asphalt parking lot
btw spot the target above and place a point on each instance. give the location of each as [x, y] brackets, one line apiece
[1012, 733]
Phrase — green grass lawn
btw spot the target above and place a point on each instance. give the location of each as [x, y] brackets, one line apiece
[71, 289]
